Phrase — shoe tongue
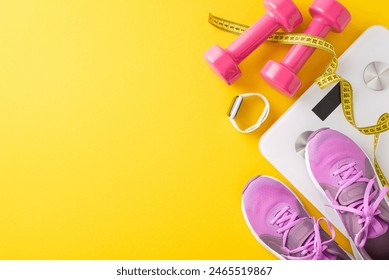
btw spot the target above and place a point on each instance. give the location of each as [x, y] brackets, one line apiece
[334, 253]
[356, 192]
[352, 193]
[299, 234]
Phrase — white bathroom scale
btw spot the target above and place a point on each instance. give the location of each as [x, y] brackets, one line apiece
[365, 64]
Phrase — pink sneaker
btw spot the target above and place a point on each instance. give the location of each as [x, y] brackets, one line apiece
[280, 223]
[342, 172]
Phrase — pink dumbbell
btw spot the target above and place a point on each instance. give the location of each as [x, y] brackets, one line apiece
[327, 15]
[280, 13]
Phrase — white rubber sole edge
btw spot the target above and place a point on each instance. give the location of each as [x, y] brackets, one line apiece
[251, 228]
[356, 252]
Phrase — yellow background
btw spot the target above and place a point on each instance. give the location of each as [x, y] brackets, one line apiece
[114, 137]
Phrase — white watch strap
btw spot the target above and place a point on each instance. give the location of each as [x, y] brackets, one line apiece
[235, 106]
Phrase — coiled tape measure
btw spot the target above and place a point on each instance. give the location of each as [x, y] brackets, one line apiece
[328, 77]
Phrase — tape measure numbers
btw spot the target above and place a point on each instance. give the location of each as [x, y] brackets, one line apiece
[383, 119]
[227, 25]
[328, 77]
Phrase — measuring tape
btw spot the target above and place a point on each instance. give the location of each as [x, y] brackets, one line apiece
[327, 78]
[384, 118]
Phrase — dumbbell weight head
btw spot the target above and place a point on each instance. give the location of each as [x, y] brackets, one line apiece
[280, 77]
[221, 62]
[285, 13]
[224, 62]
[332, 12]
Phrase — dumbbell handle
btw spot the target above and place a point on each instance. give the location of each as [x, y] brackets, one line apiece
[252, 38]
[299, 54]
